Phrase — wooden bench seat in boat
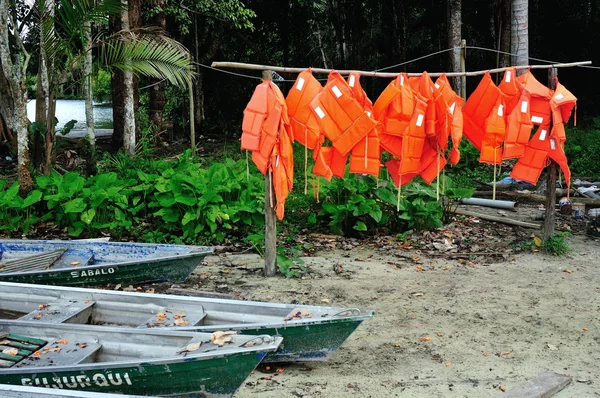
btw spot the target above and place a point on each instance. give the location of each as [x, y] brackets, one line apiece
[170, 317]
[62, 353]
[62, 311]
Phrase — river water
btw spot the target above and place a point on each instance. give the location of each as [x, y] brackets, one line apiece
[75, 110]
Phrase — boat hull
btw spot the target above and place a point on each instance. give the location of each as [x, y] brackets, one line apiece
[314, 342]
[209, 378]
[172, 270]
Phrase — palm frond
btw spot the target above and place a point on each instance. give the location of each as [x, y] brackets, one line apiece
[154, 56]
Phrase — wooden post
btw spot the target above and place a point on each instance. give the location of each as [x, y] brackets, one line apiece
[270, 217]
[463, 69]
[548, 228]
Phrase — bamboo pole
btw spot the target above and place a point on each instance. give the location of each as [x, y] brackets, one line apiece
[282, 69]
[270, 216]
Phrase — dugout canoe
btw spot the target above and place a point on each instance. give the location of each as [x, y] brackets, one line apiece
[127, 361]
[95, 263]
[310, 333]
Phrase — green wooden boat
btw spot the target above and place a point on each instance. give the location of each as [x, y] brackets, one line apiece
[310, 333]
[96, 263]
[127, 361]
[8, 391]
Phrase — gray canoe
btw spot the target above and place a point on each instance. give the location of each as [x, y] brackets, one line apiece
[9, 391]
[309, 332]
[127, 361]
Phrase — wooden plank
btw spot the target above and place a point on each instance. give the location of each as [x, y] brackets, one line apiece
[503, 220]
[544, 385]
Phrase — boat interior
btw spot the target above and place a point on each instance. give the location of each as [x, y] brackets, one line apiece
[23, 256]
[121, 310]
[23, 346]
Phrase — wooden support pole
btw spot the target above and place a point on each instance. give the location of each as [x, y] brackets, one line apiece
[391, 75]
[270, 216]
[463, 69]
[548, 229]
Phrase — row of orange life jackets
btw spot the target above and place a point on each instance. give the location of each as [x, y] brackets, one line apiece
[413, 119]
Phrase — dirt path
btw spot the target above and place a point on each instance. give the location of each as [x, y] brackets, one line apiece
[483, 326]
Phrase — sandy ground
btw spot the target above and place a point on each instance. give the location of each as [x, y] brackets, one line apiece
[488, 326]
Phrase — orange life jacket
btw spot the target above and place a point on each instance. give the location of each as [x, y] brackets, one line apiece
[541, 147]
[393, 167]
[364, 158]
[322, 167]
[303, 121]
[540, 99]
[394, 109]
[519, 125]
[330, 162]
[479, 107]
[561, 104]
[254, 116]
[414, 139]
[455, 125]
[266, 121]
[341, 117]
[491, 144]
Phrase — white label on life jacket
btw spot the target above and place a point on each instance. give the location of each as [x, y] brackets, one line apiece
[300, 83]
[543, 135]
[320, 112]
[524, 106]
[437, 85]
[500, 110]
[508, 74]
[368, 114]
[452, 108]
[552, 144]
[336, 91]
[351, 81]
[420, 120]
[558, 97]
[537, 119]
[401, 80]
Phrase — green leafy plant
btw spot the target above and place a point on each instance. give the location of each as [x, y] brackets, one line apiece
[557, 244]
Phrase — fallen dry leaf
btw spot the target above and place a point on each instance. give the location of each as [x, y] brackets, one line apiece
[448, 364]
[118, 287]
[502, 388]
[190, 347]
[585, 329]
[537, 241]
[150, 291]
[62, 341]
[161, 315]
[36, 354]
[82, 345]
[438, 334]
[424, 339]
[221, 337]
[447, 267]
[10, 351]
[280, 370]
[53, 349]
[75, 263]
[43, 306]
[485, 354]
[181, 322]
[397, 345]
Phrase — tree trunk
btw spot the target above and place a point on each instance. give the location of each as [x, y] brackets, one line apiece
[128, 96]
[505, 31]
[157, 89]
[41, 108]
[15, 75]
[90, 151]
[519, 33]
[117, 94]
[454, 38]
[48, 87]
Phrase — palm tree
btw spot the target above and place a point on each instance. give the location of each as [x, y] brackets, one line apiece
[67, 39]
[520, 32]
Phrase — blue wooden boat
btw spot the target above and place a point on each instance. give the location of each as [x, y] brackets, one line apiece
[95, 263]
